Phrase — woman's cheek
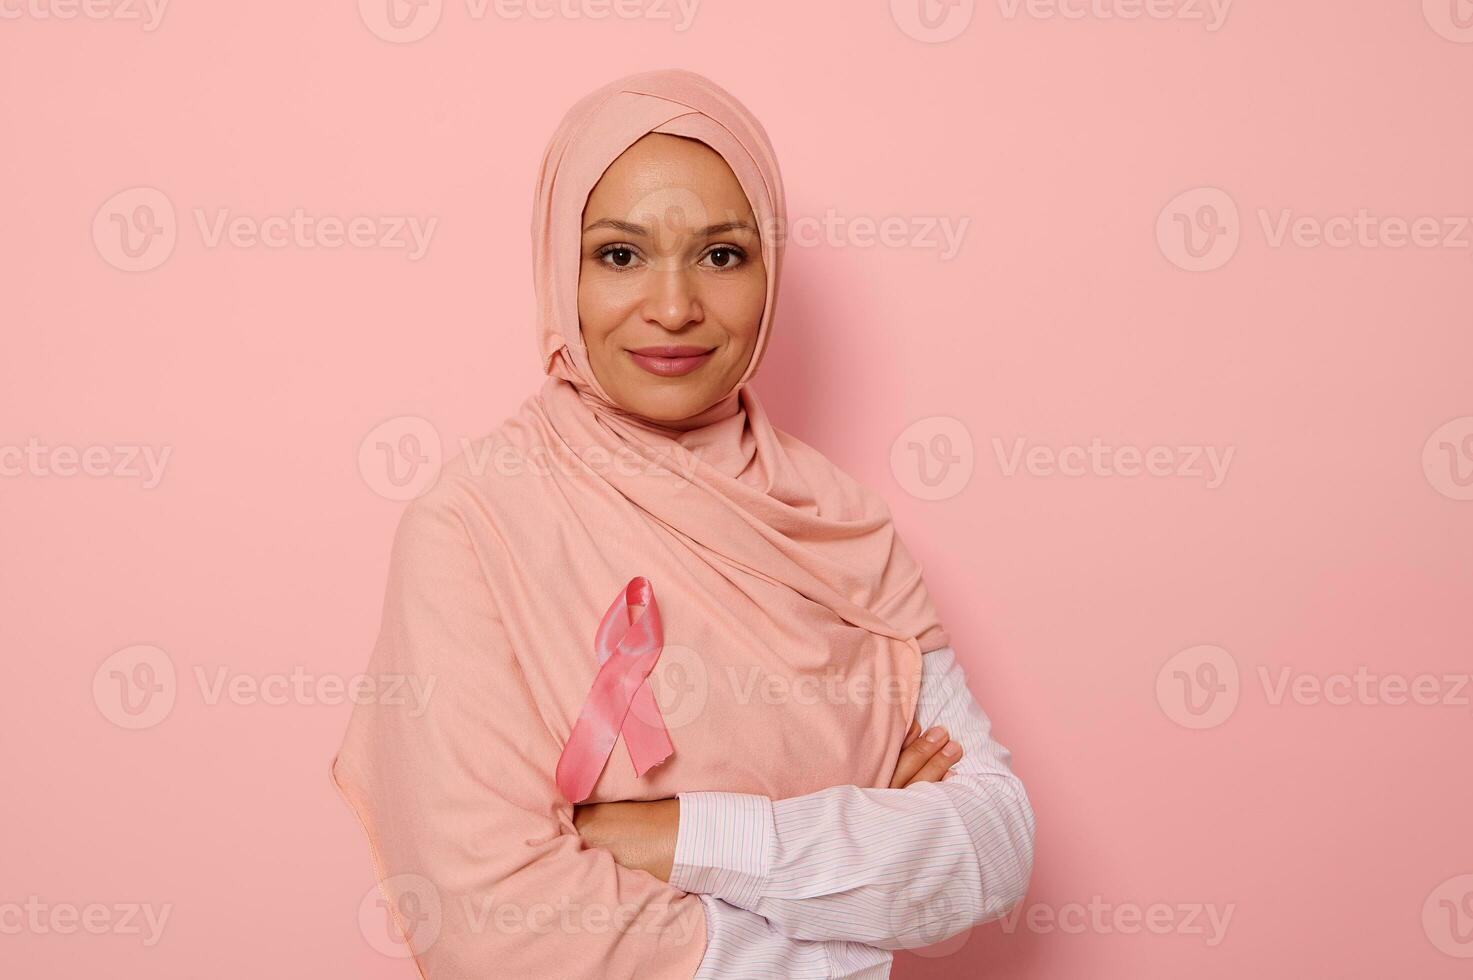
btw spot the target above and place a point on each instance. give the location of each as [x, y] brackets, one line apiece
[739, 302]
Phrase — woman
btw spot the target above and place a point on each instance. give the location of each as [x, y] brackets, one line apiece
[780, 817]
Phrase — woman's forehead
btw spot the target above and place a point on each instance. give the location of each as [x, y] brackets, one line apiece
[669, 176]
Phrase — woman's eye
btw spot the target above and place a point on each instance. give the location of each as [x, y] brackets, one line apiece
[617, 256]
[725, 257]
[624, 257]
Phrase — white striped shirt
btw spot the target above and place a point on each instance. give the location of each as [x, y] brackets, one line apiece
[828, 884]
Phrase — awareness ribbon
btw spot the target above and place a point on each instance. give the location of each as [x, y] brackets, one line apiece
[627, 651]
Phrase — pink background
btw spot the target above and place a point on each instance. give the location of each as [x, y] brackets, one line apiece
[1340, 537]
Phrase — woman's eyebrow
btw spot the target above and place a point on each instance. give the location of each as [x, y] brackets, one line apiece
[631, 228]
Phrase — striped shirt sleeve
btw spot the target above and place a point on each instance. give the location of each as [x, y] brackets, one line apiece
[890, 868]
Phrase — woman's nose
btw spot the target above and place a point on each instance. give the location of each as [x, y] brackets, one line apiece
[673, 301]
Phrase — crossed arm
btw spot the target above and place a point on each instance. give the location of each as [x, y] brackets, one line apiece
[848, 872]
[642, 834]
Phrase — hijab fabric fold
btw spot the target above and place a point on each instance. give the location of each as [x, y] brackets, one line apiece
[794, 617]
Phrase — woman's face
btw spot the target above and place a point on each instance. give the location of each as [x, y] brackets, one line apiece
[671, 283]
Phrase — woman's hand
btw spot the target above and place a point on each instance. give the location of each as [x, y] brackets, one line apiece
[640, 834]
[923, 760]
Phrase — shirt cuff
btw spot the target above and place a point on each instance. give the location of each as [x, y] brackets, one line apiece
[724, 846]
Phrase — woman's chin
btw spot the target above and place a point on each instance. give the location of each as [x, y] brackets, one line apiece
[670, 399]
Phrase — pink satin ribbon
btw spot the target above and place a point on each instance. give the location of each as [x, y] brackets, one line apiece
[627, 651]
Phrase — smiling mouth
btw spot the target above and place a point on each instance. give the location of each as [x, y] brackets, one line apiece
[671, 362]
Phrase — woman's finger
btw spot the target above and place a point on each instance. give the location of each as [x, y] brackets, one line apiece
[936, 767]
[901, 766]
[915, 755]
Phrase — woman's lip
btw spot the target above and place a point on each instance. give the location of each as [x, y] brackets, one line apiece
[671, 350]
[670, 367]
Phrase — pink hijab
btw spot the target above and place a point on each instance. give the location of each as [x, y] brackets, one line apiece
[794, 618]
